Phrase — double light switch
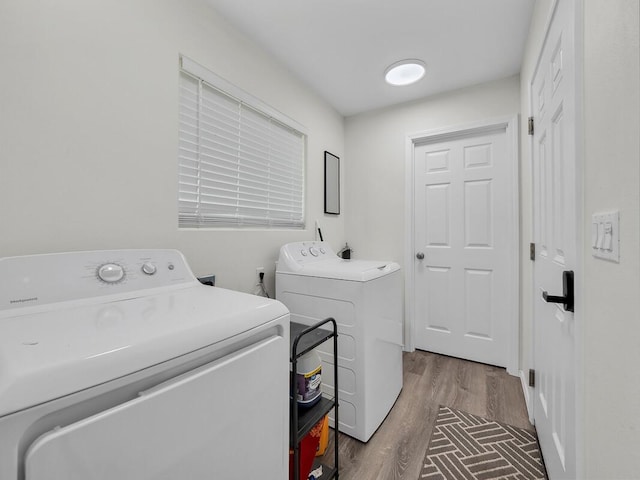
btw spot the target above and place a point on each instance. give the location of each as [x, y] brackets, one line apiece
[605, 235]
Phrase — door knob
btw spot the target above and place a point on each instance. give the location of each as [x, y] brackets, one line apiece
[419, 255]
[567, 298]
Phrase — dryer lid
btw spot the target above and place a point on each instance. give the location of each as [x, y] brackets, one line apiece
[63, 329]
[51, 354]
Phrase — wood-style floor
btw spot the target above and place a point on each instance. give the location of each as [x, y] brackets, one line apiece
[397, 448]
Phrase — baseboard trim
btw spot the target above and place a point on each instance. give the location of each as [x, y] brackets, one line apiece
[528, 393]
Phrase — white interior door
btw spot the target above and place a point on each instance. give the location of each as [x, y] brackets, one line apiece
[554, 182]
[464, 233]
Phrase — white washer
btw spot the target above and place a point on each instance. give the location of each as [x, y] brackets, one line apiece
[365, 298]
[121, 365]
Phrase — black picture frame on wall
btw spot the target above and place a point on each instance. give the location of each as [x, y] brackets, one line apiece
[331, 184]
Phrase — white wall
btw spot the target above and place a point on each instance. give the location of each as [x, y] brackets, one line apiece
[88, 130]
[375, 159]
[612, 290]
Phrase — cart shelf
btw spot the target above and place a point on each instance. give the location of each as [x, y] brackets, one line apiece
[303, 339]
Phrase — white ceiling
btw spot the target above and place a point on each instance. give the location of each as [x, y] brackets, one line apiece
[341, 48]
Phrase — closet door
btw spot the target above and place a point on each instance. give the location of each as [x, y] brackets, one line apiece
[464, 240]
[553, 99]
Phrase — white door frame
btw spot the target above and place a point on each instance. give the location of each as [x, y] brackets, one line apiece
[580, 222]
[510, 125]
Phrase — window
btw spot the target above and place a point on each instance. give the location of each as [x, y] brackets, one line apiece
[241, 162]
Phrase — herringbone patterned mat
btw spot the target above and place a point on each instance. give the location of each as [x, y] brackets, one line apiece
[465, 446]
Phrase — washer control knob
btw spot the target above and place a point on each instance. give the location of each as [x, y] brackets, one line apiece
[303, 253]
[111, 273]
[313, 251]
[322, 250]
[149, 268]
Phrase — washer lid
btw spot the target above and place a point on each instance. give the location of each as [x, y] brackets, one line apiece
[49, 354]
[317, 259]
[339, 269]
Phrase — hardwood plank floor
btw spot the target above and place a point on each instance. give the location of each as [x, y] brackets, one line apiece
[396, 450]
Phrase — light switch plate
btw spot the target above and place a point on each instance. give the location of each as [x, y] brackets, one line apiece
[606, 230]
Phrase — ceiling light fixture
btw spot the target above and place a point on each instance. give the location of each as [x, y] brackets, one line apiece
[405, 72]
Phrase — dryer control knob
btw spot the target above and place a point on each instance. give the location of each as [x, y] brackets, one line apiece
[110, 273]
[149, 268]
[303, 253]
[313, 251]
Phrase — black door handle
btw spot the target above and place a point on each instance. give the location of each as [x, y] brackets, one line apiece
[567, 289]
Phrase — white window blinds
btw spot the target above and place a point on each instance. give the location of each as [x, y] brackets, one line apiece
[241, 163]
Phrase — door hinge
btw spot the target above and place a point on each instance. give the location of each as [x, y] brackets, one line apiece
[530, 126]
[532, 251]
[532, 377]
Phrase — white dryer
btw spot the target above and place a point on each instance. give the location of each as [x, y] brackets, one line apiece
[365, 297]
[121, 365]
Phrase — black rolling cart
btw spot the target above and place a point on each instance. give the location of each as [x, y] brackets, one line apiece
[303, 339]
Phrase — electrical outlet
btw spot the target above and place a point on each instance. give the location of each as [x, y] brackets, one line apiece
[259, 270]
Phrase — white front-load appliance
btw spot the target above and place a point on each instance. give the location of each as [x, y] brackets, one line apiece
[365, 298]
[121, 365]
